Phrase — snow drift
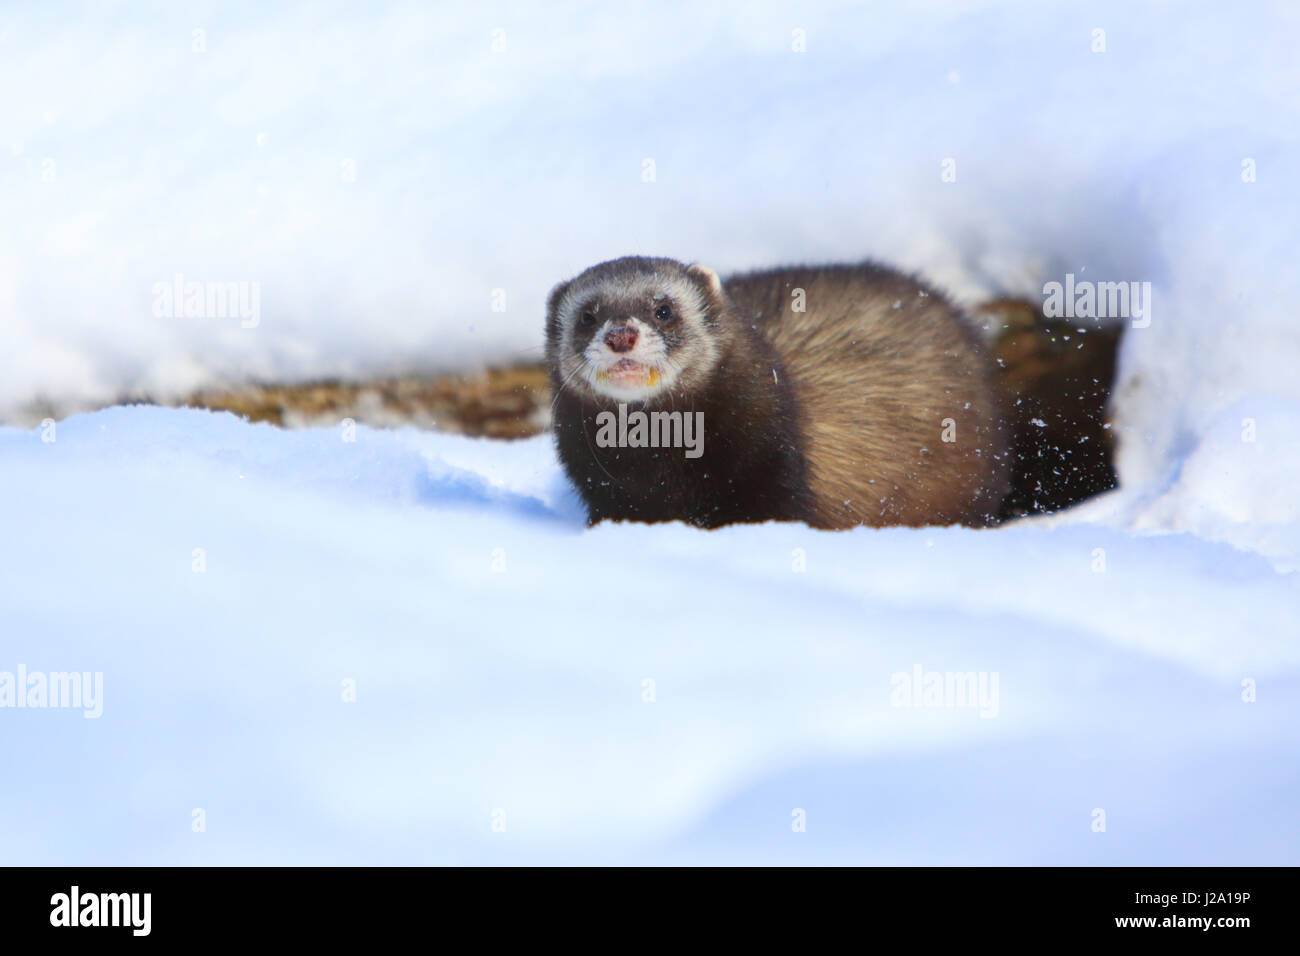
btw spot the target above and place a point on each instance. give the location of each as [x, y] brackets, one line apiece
[626, 693]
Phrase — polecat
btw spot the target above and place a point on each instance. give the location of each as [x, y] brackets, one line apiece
[835, 395]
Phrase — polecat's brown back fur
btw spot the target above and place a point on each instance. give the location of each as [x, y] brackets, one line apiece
[879, 364]
[874, 404]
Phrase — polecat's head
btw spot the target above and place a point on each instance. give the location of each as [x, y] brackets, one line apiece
[633, 328]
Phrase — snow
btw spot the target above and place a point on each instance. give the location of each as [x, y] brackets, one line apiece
[499, 651]
[1124, 633]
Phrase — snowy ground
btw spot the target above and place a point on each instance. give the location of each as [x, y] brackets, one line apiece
[379, 174]
[499, 652]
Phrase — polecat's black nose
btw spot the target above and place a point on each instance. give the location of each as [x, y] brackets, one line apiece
[621, 338]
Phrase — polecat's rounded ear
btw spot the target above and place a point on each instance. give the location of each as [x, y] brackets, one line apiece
[709, 279]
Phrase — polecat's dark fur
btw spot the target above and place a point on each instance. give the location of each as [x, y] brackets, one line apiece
[835, 415]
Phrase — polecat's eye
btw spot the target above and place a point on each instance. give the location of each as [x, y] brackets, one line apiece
[664, 313]
[588, 318]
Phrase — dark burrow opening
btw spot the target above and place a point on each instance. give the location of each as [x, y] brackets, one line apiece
[1057, 377]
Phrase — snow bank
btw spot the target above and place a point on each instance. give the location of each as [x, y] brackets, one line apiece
[500, 654]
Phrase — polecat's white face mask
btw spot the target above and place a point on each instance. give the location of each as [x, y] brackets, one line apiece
[628, 361]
